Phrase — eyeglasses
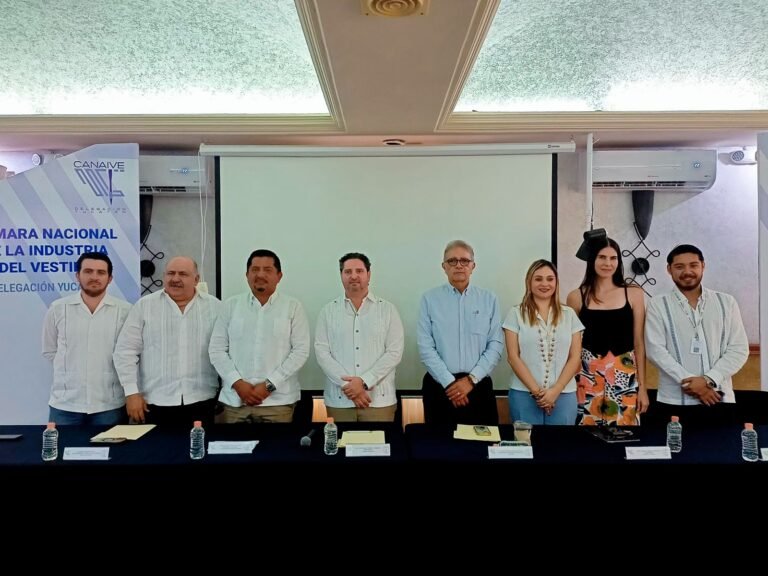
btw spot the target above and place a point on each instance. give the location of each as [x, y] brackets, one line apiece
[453, 262]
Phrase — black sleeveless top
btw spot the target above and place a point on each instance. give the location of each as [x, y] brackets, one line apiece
[608, 330]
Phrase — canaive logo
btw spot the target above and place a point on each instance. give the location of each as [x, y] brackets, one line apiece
[99, 176]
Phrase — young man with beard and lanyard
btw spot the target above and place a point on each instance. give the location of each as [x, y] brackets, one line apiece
[79, 334]
[697, 339]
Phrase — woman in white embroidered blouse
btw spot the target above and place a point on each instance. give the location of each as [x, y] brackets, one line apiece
[544, 350]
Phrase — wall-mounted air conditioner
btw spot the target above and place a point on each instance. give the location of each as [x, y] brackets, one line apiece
[171, 175]
[693, 170]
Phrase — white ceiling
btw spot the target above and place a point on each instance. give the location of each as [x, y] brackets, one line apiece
[381, 77]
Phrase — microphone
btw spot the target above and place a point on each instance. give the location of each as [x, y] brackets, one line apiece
[307, 440]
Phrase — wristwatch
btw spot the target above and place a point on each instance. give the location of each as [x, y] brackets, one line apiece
[270, 387]
[365, 385]
[473, 379]
[710, 382]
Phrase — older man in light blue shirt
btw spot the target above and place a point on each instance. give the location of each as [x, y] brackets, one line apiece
[460, 342]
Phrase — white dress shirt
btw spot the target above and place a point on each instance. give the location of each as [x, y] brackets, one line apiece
[671, 327]
[534, 343]
[162, 353]
[255, 343]
[367, 343]
[80, 344]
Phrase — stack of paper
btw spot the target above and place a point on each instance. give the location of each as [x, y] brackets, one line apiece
[362, 437]
[482, 433]
[125, 432]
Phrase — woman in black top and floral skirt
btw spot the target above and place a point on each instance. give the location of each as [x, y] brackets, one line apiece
[611, 385]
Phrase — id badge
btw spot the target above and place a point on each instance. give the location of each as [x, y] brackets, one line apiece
[696, 346]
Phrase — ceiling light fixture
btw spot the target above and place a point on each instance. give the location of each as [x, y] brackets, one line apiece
[394, 8]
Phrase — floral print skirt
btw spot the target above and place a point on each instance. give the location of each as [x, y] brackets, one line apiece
[607, 390]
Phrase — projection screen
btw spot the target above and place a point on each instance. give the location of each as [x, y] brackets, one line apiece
[401, 212]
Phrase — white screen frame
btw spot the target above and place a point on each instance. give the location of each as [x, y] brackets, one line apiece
[349, 203]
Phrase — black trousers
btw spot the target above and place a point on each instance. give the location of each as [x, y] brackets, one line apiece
[182, 416]
[438, 409]
[697, 415]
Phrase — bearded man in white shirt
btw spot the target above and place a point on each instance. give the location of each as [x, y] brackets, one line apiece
[260, 342]
[697, 339]
[161, 355]
[79, 334]
[358, 344]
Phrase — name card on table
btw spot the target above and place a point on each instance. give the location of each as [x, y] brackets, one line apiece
[504, 452]
[763, 453]
[228, 447]
[73, 453]
[354, 450]
[648, 453]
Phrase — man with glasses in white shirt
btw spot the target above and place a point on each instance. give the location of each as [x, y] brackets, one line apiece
[161, 355]
[259, 344]
[697, 339]
[79, 334]
[460, 342]
[358, 344]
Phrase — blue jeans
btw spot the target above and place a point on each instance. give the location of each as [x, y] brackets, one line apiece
[523, 407]
[106, 418]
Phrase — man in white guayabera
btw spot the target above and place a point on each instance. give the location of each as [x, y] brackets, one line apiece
[358, 344]
[79, 334]
[697, 339]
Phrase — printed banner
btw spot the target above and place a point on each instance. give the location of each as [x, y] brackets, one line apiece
[86, 201]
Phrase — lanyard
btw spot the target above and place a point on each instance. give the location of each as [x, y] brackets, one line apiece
[696, 321]
[691, 313]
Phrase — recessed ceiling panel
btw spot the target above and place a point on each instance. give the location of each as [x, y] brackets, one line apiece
[622, 55]
[155, 57]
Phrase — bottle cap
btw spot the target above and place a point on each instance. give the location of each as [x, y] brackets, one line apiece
[198, 424]
[329, 420]
[675, 418]
[749, 426]
[51, 426]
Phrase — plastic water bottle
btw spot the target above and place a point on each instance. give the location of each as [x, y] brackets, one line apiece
[50, 442]
[331, 433]
[675, 435]
[749, 449]
[197, 441]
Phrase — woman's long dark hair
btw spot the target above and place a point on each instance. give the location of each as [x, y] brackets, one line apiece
[587, 287]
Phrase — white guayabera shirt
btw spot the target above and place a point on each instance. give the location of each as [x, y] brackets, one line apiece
[257, 343]
[720, 349]
[80, 344]
[163, 353]
[367, 343]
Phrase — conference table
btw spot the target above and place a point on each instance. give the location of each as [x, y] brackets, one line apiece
[170, 446]
[577, 479]
[424, 460]
[576, 446]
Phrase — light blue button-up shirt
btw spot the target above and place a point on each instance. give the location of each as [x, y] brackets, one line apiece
[459, 332]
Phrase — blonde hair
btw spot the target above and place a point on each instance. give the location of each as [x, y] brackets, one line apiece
[528, 306]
